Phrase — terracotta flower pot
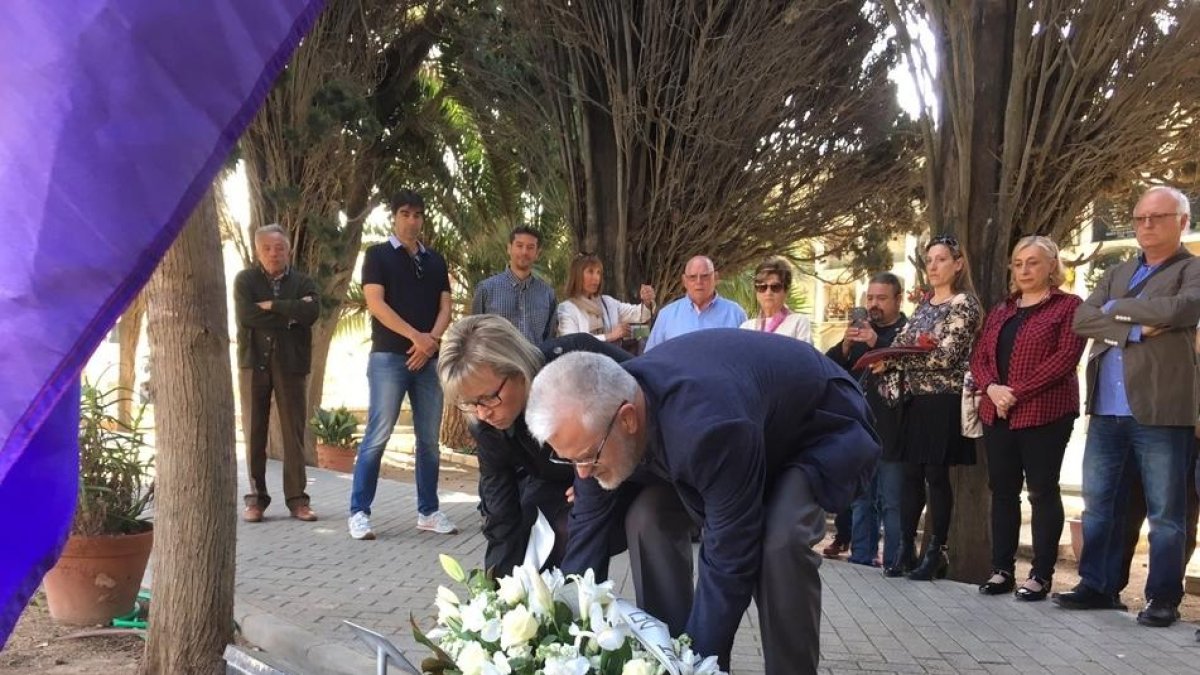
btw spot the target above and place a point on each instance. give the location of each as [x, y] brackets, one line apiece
[336, 458]
[97, 578]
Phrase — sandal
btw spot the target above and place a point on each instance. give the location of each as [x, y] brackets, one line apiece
[1000, 583]
[1034, 589]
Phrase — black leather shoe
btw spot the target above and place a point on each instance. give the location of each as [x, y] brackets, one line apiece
[1005, 585]
[1027, 594]
[1084, 597]
[1158, 614]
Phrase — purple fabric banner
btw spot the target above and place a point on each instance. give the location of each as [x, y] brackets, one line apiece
[117, 115]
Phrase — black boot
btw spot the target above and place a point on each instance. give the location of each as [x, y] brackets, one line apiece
[903, 562]
[934, 565]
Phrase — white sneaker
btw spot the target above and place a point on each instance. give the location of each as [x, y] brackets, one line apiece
[360, 526]
[436, 522]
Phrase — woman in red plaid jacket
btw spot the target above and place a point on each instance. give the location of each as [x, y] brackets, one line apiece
[1025, 362]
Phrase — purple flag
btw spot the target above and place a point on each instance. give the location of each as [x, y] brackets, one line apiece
[117, 115]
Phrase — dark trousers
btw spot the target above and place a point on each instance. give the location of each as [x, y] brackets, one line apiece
[843, 526]
[789, 587]
[1034, 456]
[926, 483]
[657, 534]
[1135, 516]
[788, 592]
[256, 387]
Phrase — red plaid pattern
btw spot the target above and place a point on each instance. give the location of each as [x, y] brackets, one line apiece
[1042, 370]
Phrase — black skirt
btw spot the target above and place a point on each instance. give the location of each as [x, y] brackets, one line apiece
[931, 431]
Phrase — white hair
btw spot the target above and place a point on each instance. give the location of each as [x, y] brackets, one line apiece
[273, 228]
[1181, 200]
[580, 384]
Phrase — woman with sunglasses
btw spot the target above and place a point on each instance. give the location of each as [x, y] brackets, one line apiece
[927, 389]
[587, 310]
[486, 366]
[772, 281]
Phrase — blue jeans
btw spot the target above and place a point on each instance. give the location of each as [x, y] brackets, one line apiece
[880, 504]
[389, 380]
[1162, 455]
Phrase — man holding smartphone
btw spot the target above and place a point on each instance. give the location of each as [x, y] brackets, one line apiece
[874, 327]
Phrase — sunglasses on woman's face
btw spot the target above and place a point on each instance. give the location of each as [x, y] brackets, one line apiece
[774, 287]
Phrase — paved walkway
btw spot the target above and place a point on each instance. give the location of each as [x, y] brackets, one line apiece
[315, 576]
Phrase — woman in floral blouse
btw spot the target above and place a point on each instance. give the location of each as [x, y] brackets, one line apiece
[928, 389]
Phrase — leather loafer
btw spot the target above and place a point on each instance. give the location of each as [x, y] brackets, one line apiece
[1084, 597]
[304, 513]
[252, 514]
[1158, 614]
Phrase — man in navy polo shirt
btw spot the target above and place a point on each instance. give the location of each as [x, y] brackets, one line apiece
[407, 289]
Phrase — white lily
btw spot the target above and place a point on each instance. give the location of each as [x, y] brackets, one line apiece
[541, 601]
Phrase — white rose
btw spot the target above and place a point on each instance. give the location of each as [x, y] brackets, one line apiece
[472, 659]
[517, 627]
[512, 591]
[638, 667]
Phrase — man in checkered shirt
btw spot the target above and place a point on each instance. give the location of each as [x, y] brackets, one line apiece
[516, 293]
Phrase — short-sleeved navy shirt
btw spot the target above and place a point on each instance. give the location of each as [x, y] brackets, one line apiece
[415, 297]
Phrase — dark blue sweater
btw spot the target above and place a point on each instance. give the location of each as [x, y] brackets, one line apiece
[727, 410]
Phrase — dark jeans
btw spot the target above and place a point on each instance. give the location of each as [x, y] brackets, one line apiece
[879, 505]
[1034, 456]
[1135, 515]
[1162, 454]
[926, 483]
[256, 386]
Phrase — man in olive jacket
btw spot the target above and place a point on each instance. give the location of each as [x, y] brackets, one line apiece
[1142, 402]
[276, 307]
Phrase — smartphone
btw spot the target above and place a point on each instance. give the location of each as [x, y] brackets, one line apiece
[859, 316]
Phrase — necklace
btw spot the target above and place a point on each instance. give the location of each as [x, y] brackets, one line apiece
[1021, 303]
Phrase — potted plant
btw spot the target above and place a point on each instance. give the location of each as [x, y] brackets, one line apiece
[100, 571]
[334, 431]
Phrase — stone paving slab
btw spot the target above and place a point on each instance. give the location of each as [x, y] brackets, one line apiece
[314, 576]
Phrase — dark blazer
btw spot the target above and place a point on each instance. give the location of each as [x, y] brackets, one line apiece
[727, 410]
[1160, 372]
[516, 475]
[284, 330]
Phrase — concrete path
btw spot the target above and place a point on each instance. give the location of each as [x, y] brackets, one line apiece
[297, 582]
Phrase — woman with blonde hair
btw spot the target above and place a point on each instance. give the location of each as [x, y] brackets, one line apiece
[588, 310]
[927, 389]
[1025, 363]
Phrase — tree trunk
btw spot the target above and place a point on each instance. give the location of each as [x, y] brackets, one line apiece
[454, 432]
[195, 507]
[986, 240]
[129, 334]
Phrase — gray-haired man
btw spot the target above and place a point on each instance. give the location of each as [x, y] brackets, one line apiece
[756, 443]
[275, 307]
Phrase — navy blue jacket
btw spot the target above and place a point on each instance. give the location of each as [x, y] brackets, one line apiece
[727, 410]
[516, 475]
